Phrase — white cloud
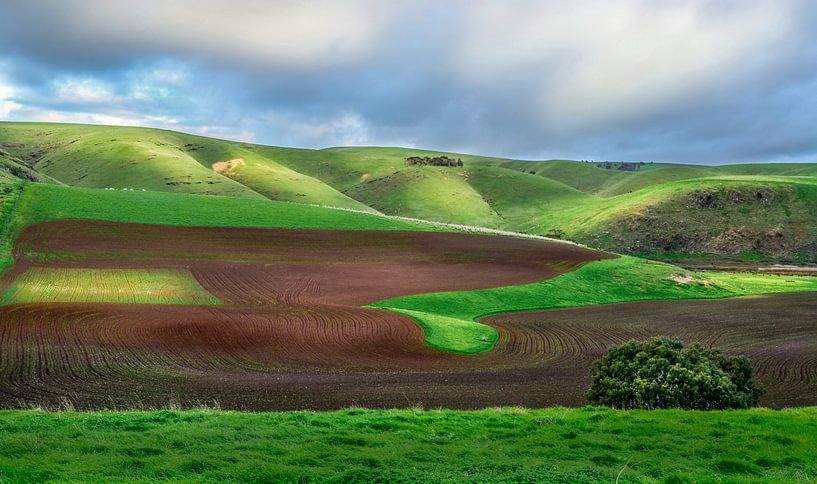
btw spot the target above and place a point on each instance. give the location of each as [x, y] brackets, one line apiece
[345, 129]
[596, 62]
[85, 91]
[533, 78]
[120, 119]
[295, 34]
[128, 118]
[7, 100]
[173, 77]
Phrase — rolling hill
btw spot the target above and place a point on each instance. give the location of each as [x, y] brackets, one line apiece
[234, 327]
[759, 211]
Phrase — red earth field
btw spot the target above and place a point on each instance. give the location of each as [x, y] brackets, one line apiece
[292, 333]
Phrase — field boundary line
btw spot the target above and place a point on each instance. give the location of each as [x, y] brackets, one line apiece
[459, 227]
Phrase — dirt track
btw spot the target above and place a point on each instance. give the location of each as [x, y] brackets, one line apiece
[292, 334]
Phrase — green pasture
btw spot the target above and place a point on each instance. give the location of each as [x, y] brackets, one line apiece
[450, 319]
[579, 201]
[585, 445]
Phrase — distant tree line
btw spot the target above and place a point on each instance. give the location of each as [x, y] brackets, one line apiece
[433, 161]
[618, 165]
[622, 165]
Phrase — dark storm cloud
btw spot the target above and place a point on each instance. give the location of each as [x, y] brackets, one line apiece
[692, 81]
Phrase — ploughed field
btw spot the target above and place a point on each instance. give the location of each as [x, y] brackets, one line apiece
[778, 332]
[290, 331]
[273, 319]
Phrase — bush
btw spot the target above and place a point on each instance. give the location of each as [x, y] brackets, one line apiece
[661, 373]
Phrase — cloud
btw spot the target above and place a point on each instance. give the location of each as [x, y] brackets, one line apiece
[90, 91]
[693, 80]
[607, 62]
[271, 34]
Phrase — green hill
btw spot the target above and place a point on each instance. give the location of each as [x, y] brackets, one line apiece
[157, 160]
[758, 210]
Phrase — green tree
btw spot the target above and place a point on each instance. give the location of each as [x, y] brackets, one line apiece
[662, 373]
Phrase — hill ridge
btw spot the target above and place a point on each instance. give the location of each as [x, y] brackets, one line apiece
[652, 210]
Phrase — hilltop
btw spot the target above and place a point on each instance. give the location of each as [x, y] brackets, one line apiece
[743, 211]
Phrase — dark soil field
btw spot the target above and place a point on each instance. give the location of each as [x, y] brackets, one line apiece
[777, 332]
[292, 334]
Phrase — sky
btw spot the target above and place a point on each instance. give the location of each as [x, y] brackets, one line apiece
[690, 81]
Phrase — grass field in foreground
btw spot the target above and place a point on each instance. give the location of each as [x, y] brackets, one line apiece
[150, 286]
[450, 318]
[496, 445]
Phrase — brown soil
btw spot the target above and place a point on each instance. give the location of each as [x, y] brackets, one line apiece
[292, 334]
[777, 332]
[228, 167]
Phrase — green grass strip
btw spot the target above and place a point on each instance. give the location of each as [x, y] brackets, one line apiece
[41, 202]
[453, 334]
[147, 286]
[584, 445]
[603, 282]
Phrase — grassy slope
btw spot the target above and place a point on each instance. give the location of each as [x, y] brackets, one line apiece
[40, 202]
[528, 200]
[10, 192]
[25, 204]
[12, 169]
[585, 202]
[449, 324]
[266, 175]
[150, 286]
[661, 214]
[441, 194]
[496, 445]
[378, 177]
[158, 160]
[594, 180]
[654, 210]
[451, 318]
[672, 217]
[119, 157]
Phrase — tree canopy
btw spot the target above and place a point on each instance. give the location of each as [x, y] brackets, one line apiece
[662, 373]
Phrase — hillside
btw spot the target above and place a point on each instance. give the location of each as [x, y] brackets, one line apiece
[761, 211]
[157, 160]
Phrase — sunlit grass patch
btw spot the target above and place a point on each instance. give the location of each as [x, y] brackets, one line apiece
[149, 286]
[446, 316]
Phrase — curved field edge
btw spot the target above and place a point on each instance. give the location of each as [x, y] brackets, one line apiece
[453, 334]
[354, 445]
[147, 286]
[607, 281]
